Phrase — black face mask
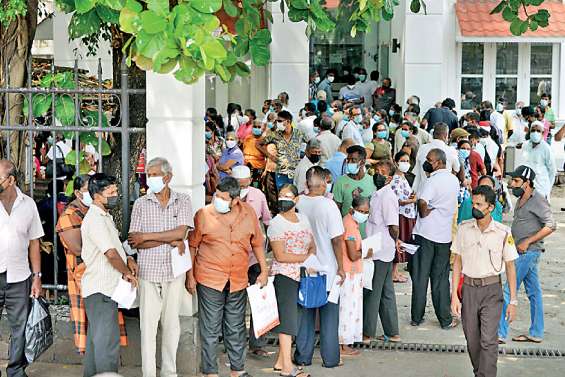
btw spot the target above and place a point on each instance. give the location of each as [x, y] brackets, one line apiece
[428, 168]
[315, 158]
[517, 191]
[379, 181]
[477, 214]
[112, 202]
[285, 205]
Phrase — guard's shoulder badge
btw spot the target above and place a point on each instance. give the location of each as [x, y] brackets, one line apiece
[510, 240]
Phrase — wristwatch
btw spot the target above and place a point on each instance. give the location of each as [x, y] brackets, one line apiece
[514, 302]
[36, 274]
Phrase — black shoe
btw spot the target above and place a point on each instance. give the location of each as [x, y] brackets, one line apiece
[416, 323]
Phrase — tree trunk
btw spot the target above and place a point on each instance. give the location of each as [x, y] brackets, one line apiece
[16, 39]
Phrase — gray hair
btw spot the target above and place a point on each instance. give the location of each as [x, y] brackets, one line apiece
[165, 165]
[315, 176]
[441, 130]
[229, 185]
[439, 154]
[313, 143]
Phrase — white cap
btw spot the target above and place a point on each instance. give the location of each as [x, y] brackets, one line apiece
[538, 124]
[241, 172]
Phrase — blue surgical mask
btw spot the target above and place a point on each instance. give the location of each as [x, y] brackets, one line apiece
[535, 137]
[330, 111]
[376, 118]
[382, 134]
[464, 154]
[328, 188]
[359, 217]
[257, 132]
[270, 125]
[208, 135]
[222, 206]
[362, 78]
[405, 133]
[352, 168]
[346, 118]
[316, 130]
[358, 119]
[391, 112]
[155, 184]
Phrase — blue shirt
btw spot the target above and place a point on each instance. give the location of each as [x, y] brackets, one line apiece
[231, 154]
[466, 210]
[335, 165]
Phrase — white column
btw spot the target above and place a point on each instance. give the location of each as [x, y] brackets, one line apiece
[175, 131]
[289, 67]
[559, 102]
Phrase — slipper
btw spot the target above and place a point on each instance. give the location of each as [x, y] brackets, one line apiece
[350, 352]
[384, 338]
[501, 341]
[401, 279]
[296, 372]
[526, 338]
[367, 341]
[280, 370]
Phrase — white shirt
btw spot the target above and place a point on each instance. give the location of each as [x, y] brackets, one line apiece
[497, 120]
[99, 234]
[540, 158]
[306, 125]
[329, 144]
[491, 148]
[300, 173]
[440, 192]
[325, 219]
[384, 212]
[351, 131]
[16, 231]
[452, 161]
[62, 150]
[367, 135]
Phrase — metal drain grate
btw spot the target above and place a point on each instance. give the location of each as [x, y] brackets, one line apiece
[540, 353]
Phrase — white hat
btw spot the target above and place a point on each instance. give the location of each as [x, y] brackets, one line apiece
[241, 172]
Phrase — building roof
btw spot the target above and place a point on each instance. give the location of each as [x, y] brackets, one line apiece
[475, 20]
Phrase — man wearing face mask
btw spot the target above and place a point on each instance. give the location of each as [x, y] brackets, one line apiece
[326, 85]
[106, 264]
[383, 219]
[256, 199]
[384, 96]
[288, 141]
[537, 154]
[20, 231]
[312, 158]
[483, 248]
[160, 221]
[306, 125]
[533, 222]
[313, 85]
[350, 92]
[437, 204]
[223, 234]
[352, 129]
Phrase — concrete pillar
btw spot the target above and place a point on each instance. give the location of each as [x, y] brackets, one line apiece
[289, 67]
[175, 131]
[559, 102]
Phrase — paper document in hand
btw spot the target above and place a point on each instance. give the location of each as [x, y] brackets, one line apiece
[312, 262]
[409, 248]
[373, 242]
[124, 294]
[333, 297]
[180, 263]
[264, 309]
[368, 271]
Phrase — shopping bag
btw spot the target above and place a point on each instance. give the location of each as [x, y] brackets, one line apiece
[264, 309]
[312, 293]
[39, 330]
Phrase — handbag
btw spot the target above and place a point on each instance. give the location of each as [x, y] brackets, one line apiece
[312, 292]
[63, 170]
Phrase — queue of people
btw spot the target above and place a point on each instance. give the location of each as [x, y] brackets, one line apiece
[282, 189]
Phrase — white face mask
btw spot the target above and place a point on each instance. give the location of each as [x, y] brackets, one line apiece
[404, 166]
[231, 143]
[544, 102]
[317, 80]
[155, 184]
[359, 217]
[499, 107]
[86, 199]
[221, 205]
[243, 192]
[280, 126]
[331, 78]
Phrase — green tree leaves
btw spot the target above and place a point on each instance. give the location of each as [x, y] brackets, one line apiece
[521, 16]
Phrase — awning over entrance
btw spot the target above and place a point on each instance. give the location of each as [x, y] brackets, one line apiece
[476, 22]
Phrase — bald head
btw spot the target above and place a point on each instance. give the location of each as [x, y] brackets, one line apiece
[346, 143]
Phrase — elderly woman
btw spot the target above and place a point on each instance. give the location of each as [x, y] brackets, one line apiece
[231, 157]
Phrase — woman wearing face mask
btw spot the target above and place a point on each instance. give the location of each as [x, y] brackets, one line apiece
[254, 158]
[464, 153]
[537, 154]
[231, 156]
[379, 148]
[68, 228]
[214, 142]
[351, 294]
[292, 240]
[465, 211]
[407, 209]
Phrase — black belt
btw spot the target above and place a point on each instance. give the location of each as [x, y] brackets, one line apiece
[482, 282]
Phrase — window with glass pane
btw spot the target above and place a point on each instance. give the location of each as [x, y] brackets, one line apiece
[471, 92]
[507, 58]
[539, 86]
[472, 58]
[507, 88]
[541, 59]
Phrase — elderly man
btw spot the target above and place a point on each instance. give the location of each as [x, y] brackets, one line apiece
[160, 221]
[324, 216]
[256, 199]
[329, 142]
[437, 204]
[312, 158]
[223, 234]
[20, 230]
[105, 260]
[352, 129]
[537, 154]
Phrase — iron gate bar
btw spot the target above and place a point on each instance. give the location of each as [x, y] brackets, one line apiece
[28, 92]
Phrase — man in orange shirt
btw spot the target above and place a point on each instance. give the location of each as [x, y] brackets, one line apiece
[254, 158]
[223, 234]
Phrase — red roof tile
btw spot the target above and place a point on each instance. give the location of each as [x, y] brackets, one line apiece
[475, 19]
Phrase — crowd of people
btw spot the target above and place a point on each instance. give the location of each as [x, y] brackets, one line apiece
[284, 188]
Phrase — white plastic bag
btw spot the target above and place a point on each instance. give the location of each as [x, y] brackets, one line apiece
[264, 307]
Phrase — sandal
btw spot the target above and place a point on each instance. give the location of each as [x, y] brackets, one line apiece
[299, 367]
[296, 372]
[400, 279]
[349, 352]
[391, 339]
[526, 338]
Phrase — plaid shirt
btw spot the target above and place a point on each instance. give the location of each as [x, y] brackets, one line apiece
[149, 216]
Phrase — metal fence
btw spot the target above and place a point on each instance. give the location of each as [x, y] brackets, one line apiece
[95, 98]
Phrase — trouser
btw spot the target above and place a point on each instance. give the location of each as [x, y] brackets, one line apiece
[160, 302]
[431, 262]
[329, 340]
[381, 301]
[15, 298]
[526, 272]
[103, 335]
[480, 311]
[213, 307]
[254, 343]
[282, 179]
